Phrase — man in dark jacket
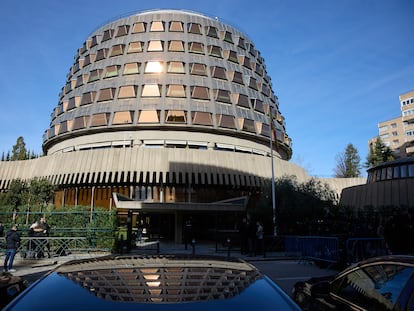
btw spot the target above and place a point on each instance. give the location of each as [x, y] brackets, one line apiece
[12, 243]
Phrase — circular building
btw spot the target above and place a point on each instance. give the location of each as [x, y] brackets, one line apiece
[166, 115]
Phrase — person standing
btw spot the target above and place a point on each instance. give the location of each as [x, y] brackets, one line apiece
[259, 237]
[1, 229]
[12, 244]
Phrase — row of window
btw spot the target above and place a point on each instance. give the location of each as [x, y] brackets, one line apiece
[173, 46]
[154, 117]
[387, 173]
[407, 102]
[172, 26]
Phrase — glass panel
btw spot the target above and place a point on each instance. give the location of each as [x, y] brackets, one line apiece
[99, 119]
[88, 98]
[265, 130]
[223, 96]
[112, 71]
[131, 68]
[176, 116]
[148, 116]
[200, 92]
[232, 56]
[139, 27]
[175, 90]
[117, 50]
[135, 47]
[214, 51]
[106, 94]
[176, 67]
[241, 43]
[87, 60]
[153, 67]
[242, 100]
[176, 46]
[218, 72]
[396, 172]
[107, 34]
[95, 75]
[63, 127]
[403, 171]
[176, 26]
[226, 121]
[122, 30]
[71, 104]
[253, 83]
[196, 47]
[411, 170]
[258, 106]
[194, 28]
[123, 117]
[151, 90]
[79, 123]
[211, 31]
[127, 91]
[157, 26]
[228, 37]
[248, 125]
[245, 61]
[202, 118]
[94, 41]
[198, 69]
[237, 77]
[155, 46]
[101, 54]
[81, 80]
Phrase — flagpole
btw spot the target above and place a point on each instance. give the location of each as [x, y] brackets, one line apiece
[273, 177]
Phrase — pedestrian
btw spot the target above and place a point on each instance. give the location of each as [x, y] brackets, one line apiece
[188, 233]
[1, 230]
[244, 233]
[259, 237]
[12, 244]
[251, 237]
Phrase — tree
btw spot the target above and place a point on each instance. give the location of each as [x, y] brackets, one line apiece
[16, 193]
[379, 153]
[19, 150]
[348, 163]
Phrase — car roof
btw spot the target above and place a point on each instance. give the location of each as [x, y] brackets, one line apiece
[161, 282]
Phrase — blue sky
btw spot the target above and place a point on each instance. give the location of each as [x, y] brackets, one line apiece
[337, 66]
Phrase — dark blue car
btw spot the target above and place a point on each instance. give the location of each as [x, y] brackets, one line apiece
[162, 282]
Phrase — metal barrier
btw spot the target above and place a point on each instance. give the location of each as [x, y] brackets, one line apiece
[313, 248]
[358, 249]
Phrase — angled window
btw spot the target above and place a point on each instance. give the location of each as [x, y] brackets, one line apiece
[241, 100]
[241, 43]
[73, 101]
[199, 92]
[108, 34]
[106, 94]
[127, 91]
[94, 41]
[258, 105]
[218, 72]
[175, 90]
[175, 67]
[82, 79]
[80, 123]
[149, 116]
[194, 28]
[198, 69]
[131, 68]
[157, 26]
[259, 70]
[227, 36]
[253, 83]
[139, 27]
[100, 119]
[222, 96]
[112, 71]
[211, 31]
[236, 76]
[202, 118]
[176, 116]
[265, 130]
[265, 90]
[248, 125]
[176, 46]
[63, 128]
[88, 98]
[101, 54]
[122, 30]
[155, 46]
[176, 26]
[196, 47]
[90, 58]
[95, 75]
[135, 47]
[117, 50]
[153, 67]
[231, 56]
[224, 120]
[215, 51]
[151, 90]
[123, 117]
[245, 61]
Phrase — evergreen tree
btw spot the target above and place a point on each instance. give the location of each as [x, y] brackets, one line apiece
[379, 153]
[348, 163]
[19, 150]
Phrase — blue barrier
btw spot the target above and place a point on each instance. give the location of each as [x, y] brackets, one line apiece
[358, 249]
[313, 248]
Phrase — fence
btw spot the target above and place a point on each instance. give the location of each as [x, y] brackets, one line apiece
[357, 249]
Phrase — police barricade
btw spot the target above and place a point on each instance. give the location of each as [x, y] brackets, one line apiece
[316, 248]
[358, 249]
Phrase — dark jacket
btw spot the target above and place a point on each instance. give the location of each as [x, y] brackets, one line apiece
[12, 239]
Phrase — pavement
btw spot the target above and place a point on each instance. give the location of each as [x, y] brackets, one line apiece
[37, 267]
